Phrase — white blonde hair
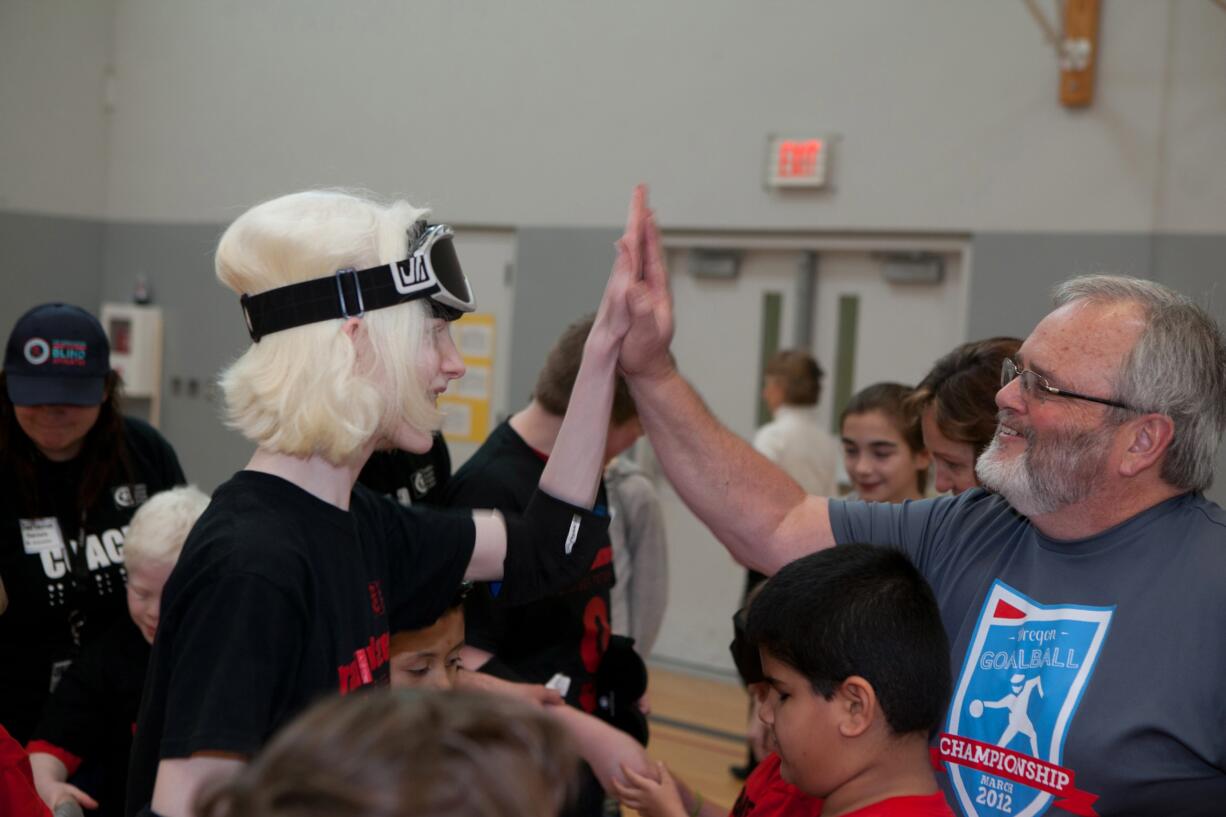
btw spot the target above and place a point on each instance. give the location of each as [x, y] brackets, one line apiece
[159, 527]
[299, 391]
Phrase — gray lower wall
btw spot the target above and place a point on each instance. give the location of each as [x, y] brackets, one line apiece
[204, 331]
[47, 258]
[560, 275]
[1013, 274]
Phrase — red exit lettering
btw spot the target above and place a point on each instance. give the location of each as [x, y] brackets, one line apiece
[797, 159]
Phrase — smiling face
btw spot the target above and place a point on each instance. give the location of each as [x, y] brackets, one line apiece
[429, 658]
[882, 467]
[953, 460]
[1051, 452]
[57, 431]
[146, 579]
[439, 363]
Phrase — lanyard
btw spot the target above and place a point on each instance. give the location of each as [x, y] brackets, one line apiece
[77, 559]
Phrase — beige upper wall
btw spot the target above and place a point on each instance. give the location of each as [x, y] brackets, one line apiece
[540, 112]
[53, 122]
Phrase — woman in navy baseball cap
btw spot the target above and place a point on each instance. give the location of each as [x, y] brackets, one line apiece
[56, 372]
[73, 470]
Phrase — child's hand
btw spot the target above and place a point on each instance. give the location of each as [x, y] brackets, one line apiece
[528, 693]
[55, 792]
[648, 797]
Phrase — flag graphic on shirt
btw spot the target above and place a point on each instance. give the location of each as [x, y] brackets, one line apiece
[1021, 682]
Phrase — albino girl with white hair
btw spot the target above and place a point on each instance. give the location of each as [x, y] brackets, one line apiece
[287, 584]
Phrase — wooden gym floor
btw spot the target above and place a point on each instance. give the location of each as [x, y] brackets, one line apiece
[698, 730]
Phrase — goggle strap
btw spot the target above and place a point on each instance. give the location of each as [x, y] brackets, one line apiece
[348, 293]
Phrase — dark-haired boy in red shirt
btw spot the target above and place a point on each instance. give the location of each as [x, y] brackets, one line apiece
[857, 660]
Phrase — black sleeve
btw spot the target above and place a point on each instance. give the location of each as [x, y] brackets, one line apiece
[485, 625]
[497, 668]
[428, 553]
[550, 546]
[233, 659]
[75, 716]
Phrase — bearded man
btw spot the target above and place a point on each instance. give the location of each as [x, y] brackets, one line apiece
[1093, 564]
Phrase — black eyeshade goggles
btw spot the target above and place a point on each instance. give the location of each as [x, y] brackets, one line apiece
[432, 271]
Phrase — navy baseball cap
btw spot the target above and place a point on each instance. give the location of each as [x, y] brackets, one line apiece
[57, 354]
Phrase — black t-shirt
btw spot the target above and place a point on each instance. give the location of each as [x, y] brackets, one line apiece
[409, 478]
[92, 713]
[567, 633]
[51, 614]
[279, 598]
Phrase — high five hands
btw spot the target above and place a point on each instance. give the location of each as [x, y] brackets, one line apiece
[637, 306]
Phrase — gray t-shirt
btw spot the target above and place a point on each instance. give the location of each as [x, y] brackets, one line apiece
[1090, 675]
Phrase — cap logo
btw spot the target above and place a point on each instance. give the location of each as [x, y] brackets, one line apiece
[37, 351]
[68, 353]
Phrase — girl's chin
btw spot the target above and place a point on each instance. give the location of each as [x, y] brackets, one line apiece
[874, 494]
[414, 441]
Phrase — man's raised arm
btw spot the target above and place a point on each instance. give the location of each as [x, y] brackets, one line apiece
[759, 513]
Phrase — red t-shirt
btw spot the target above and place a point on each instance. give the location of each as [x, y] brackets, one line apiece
[928, 805]
[17, 792]
[767, 794]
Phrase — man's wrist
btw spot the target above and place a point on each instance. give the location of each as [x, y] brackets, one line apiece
[655, 375]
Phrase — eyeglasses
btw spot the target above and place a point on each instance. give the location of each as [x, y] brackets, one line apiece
[1033, 383]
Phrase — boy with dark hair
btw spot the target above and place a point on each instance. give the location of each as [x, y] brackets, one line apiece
[858, 665]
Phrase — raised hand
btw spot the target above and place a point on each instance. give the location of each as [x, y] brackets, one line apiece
[613, 316]
[644, 351]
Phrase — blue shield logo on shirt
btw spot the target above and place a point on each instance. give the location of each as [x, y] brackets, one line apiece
[1025, 671]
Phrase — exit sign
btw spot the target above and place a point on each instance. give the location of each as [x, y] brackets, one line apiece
[793, 162]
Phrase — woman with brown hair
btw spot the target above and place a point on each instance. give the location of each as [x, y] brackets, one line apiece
[73, 470]
[957, 405]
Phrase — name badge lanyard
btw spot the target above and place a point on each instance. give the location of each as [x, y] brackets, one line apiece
[78, 566]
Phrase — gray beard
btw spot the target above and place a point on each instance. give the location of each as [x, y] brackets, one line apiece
[1061, 470]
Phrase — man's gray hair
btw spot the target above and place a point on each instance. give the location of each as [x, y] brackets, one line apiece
[1176, 368]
